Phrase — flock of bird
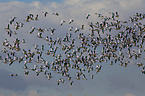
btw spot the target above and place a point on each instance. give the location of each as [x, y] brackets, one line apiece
[111, 41]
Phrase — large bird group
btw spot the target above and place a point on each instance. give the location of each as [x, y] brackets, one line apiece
[78, 52]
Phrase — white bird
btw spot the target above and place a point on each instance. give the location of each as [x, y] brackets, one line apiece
[56, 13]
[116, 15]
[82, 27]
[26, 72]
[36, 18]
[39, 35]
[23, 41]
[71, 82]
[11, 74]
[1, 58]
[45, 13]
[76, 30]
[42, 47]
[32, 30]
[12, 20]
[61, 22]
[70, 29]
[113, 15]
[70, 21]
[8, 27]
[87, 16]
[52, 30]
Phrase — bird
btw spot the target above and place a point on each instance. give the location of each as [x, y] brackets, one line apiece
[70, 29]
[1, 58]
[76, 30]
[32, 30]
[87, 16]
[56, 13]
[39, 35]
[82, 27]
[45, 13]
[70, 21]
[23, 41]
[36, 18]
[26, 72]
[8, 27]
[62, 22]
[76, 49]
[12, 19]
[52, 30]
[116, 15]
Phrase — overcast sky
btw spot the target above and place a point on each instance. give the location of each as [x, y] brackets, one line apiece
[111, 81]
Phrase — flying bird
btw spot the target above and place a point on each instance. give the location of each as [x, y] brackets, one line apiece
[45, 13]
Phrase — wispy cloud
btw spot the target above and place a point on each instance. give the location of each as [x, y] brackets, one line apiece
[11, 83]
[129, 94]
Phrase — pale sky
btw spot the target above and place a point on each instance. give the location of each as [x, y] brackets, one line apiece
[111, 81]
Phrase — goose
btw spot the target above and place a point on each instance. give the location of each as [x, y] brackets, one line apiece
[143, 71]
[71, 82]
[92, 76]
[70, 21]
[31, 15]
[11, 74]
[52, 30]
[70, 29]
[12, 20]
[46, 29]
[47, 38]
[23, 41]
[82, 27]
[27, 19]
[143, 39]
[15, 58]
[84, 77]
[40, 29]
[116, 15]
[1, 58]
[61, 22]
[5, 60]
[56, 13]
[112, 15]
[58, 81]
[49, 76]
[8, 56]
[32, 30]
[30, 60]
[21, 59]
[8, 27]
[10, 32]
[76, 30]
[39, 35]
[36, 18]
[62, 80]
[26, 72]
[87, 16]
[21, 24]
[45, 13]
[17, 41]
[15, 74]
[42, 47]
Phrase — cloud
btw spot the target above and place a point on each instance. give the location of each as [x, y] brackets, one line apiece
[125, 80]
[129, 94]
[33, 93]
[30, 93]
[11, 83]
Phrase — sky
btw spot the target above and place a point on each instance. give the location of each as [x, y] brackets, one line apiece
[111, 81]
